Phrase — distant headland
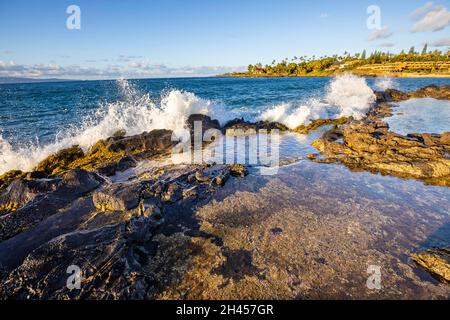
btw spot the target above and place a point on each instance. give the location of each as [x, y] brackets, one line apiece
[412, 64]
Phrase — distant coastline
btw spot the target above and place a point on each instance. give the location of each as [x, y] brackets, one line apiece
[392, 75]
[430, 64]
[16, 80]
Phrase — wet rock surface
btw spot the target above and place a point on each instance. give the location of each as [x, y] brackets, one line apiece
[237, 125]
[433, 91]
[436, 262]
[202, 232]
[368, 144]
[113, 230]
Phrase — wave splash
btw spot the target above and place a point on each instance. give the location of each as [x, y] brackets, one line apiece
[135, 113]
[385, 83]
[347, 95]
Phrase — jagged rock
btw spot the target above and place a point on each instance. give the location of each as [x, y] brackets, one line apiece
[110, 233]
[126, 163]
[60, 161]
[74, 184]
[206, 121]
[371, 146]
[108, 258]
[80, 181]
[118, 197]
[107, 156]
[235, 126]
[36, 175]
[238, 170]
[173, 193]
[433, 91]
[315, 124]
[436, 262]
[22, 191]
[8, 177]
[156, 141]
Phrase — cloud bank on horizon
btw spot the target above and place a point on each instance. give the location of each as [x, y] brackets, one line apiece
[132, 70]
[193, 50]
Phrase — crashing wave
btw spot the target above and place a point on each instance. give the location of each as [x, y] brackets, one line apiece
[347, 95]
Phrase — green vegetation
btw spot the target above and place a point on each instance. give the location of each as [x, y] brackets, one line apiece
[424, 62]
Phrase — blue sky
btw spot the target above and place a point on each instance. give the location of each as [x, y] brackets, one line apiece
[157, 38]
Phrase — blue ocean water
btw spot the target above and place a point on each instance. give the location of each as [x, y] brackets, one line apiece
[38, 111]
[37, 119]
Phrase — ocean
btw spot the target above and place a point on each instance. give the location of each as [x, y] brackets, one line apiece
[38, 119]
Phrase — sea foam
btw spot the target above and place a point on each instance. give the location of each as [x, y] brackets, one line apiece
[346, 95]
[134, 113]
[137, 112]
[384, 83]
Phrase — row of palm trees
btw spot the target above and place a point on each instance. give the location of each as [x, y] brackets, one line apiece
[305, 65]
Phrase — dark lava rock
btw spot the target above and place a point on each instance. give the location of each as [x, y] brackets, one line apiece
[432, 91]
[118, 197]
[369, 145]
[110, 260]
[73, 185]
[125, 163]
[235, 125]
[22, 191]
[156, 141]
[206, 122]
[276, 231]
[60, 161]
[238, 170]
[436, 262]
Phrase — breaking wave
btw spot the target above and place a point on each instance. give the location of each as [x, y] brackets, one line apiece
[135, 113]
[385, 83]
[346, 95]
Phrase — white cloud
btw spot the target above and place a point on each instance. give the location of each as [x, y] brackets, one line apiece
[430, 17]
[382, 33]
[324, 15]
[127, 58]
[443, 42]
[420, 12]
[387, 45]
[133, 70]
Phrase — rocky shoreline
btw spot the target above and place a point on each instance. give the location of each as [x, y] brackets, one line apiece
[369, 145]
[73, 210]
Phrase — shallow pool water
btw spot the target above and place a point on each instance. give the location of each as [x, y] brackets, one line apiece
[421, 116]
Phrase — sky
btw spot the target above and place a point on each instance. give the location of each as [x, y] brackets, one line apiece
[168, 38]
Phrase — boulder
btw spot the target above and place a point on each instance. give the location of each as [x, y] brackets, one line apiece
[118, 197]
[60, 161]
[154, 142]
[432, 91]
[436, 262]
[22, 191]
[235, 126]
[73, 185]
[206, 122]
[371, 146]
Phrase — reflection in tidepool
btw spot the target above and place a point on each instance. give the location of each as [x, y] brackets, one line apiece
[312, 231]
[420, 116]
